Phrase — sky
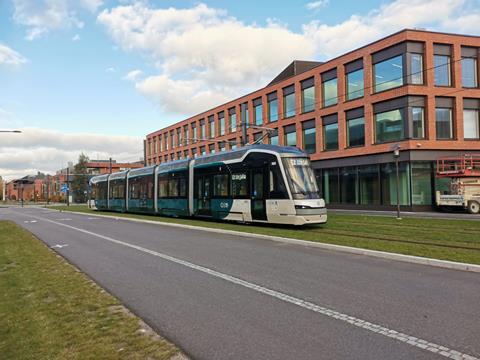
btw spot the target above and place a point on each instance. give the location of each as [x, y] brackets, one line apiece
[96, 76]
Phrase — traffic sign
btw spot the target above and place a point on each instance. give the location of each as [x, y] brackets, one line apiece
[64, 188]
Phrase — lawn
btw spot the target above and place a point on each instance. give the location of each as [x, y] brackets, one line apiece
[455, 240]
[50, 310]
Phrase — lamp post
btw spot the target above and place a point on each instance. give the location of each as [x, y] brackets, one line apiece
[396, 155]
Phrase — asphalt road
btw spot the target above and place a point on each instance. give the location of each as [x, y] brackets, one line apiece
[227, 297]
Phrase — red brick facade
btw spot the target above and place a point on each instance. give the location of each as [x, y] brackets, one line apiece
[156, 154]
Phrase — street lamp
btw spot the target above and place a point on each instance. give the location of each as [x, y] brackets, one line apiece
[396, 155]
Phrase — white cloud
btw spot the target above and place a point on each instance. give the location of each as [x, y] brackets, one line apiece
[315, 5]
[133, 75]
[110, 69]
[91, 5]
[440, 15]
[47, 150]
[203, 55]
[9, 56]
[42, 17]
[76, 37]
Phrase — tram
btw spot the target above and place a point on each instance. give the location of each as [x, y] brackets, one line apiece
[256, 183]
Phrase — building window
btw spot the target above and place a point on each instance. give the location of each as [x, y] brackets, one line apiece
[172, 140]
[471, 122]
[186, 135]
[389, 184]
[185, 154]
[211, 148]
[418, 123]
[389, 126]
[211, 123]
[258, 111]
[330, 132]
[308, 95]
[355, 84]
[273, 137]
[221, 121]
[421, 183]
[368, 185]
[441, 64]
[416, 69]
[202, 129]
[356, 131]
[290, 136]
[233, 146]
[222, 146]
[443, 123]
[289, 101]
[272, 107]
[232, 119]
[202, 150]
[442, 70]
[388, 74]
[309, 137]
[194, 152]
[329, 88]
[469, 67]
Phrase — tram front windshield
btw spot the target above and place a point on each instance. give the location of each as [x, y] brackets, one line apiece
[301, 178]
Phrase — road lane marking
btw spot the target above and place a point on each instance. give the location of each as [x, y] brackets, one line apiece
[30, 221]
[352, 320]
[59, 246]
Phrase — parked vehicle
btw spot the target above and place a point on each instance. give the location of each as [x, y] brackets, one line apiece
[256, 183]
[464, 172]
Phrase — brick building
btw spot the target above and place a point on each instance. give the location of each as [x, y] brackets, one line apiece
[415, 90]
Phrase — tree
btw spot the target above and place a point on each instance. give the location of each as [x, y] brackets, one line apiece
[80, 179]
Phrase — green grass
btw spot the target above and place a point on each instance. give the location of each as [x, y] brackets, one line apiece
[455, 240]
[49, 310]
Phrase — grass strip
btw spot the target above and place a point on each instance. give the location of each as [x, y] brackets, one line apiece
[50, 310]
[454, 240]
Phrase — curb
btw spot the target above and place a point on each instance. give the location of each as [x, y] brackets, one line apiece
[452, 265]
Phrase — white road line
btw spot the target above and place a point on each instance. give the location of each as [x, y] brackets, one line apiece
[405, 338]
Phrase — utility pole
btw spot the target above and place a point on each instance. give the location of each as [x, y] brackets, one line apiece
[48, 189]
[396, 155]
[68, 185]
[110, 166]
[21, 191]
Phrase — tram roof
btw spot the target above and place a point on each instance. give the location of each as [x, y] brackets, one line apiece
[237, 154]
[118, 175]
[99, 178]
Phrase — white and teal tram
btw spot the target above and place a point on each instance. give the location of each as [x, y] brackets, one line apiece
[256, 183]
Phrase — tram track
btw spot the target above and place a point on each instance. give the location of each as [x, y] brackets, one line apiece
[369, 237]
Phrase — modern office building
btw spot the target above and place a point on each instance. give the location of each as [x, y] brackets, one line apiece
[414, 90]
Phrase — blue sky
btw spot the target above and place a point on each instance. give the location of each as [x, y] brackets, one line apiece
[76, 70]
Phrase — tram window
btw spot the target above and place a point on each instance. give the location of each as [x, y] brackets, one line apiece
[163, 188]
[220, 185]
[149, 187]
[239, 185]
[182, 187]
[173, 188]
[277, 185]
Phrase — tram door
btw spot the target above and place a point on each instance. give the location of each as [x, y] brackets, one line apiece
[259, 180]
[204, 194]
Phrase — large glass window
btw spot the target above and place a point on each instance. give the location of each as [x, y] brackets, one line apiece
[290, 139]
[389, 184]
[442, 72]
[356, 132]
[355, 84]
[444, 123]
[348, 185]
[469, 72]
[389, 126]
[301, 178]
[273, 110]
[388, 74]
[331, 193]
[258, 113]
[418, 123]
[330, 92]
[289, 105]
[369, 185]
[308, 99]
[309, 144]
[416, 69]
[202, 130]
[330, 136]
[421, 183]
[471, 124]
